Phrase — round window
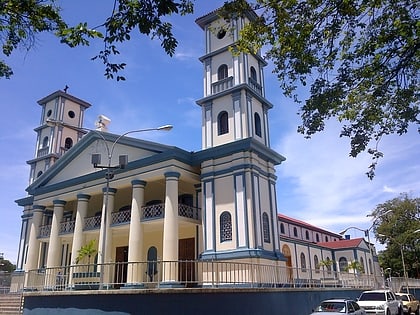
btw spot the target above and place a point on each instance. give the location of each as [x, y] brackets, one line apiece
[71, 114]
[49, 113]
[221, 33]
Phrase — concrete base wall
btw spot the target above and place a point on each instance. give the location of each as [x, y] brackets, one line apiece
[181, 301]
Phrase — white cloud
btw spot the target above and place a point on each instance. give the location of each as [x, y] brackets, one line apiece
[320, 184]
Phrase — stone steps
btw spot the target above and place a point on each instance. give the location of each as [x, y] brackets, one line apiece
[11, 304]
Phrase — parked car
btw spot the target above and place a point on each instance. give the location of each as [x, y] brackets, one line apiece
[338, 307]
[380, 302]
[410, 303]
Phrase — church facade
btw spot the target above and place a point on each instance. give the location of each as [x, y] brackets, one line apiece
[140, 201]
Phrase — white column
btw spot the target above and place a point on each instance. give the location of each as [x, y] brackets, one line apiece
[32, 259]
[53, 258]
[170, 228]
[135, 239]
[105, 241]
[78, 239]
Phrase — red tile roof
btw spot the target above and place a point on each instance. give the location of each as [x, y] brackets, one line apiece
[286, 219]
[342, 243]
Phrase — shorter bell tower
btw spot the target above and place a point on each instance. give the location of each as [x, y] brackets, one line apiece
[53, 140]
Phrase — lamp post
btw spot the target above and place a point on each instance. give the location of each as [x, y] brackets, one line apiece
[402, 254]
[109, 174]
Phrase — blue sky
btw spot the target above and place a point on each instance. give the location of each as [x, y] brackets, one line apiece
[318, 183]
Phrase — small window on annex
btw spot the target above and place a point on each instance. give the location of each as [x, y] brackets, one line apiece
[307, 235]
[257, 122]
[225, 227]
[266, 227]
[222, 123]
[222, 72]
[316, 263]
[295, 233]
[343, 264]
[282, 228]
[303, 262]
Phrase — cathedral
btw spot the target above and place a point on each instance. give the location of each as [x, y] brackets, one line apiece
[159, 206]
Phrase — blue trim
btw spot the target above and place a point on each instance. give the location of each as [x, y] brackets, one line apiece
[110, 190]
[241, 253]
[38, 208]
[58, 202]
[138, 182]
[172, 174]
[83, 196]
[242, 86]
[26, 201]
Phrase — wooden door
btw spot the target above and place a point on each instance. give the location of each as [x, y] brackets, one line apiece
[186, 257]
[120, 273]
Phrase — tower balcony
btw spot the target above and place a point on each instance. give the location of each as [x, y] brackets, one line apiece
[222, 85]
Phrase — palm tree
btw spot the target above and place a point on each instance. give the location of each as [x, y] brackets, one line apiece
[87, 250]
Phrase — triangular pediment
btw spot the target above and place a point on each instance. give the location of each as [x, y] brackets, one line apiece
[77, 162]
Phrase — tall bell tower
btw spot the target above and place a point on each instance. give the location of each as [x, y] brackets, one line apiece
[237, 164]
[54, 140]
[234, 105]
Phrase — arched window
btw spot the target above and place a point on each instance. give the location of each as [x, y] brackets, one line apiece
[222, 123]
[307, 235]
[316, 263]
[370, 266]
[326, 238]
[282, 228]
[362, 265]
[266, 227]
[303, 262]
[253, 74]
[317, 237]
[45, 142]
[225, 227]
[343, 264]
[222, 72]
[295, 233]
[68, 143]
[39, 174]
[257, 122]
[329, 263]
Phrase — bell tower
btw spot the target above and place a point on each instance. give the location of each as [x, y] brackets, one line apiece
[54, 140]
[234, 105]
[237, 164]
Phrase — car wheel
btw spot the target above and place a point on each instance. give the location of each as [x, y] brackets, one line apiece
[388, 312]
[417, 311]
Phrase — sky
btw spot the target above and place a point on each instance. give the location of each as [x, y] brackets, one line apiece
[318, 183]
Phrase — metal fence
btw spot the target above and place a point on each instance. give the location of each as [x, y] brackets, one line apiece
[164, 274]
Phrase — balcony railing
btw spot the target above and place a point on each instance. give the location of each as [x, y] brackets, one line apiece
[92, 223]
[152, 212]
[44, 231]
[120, 217]
[222, 85]
[191, 273]
[67, 227]
[255, 86]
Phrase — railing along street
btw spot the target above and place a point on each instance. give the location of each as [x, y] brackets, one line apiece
[191, 273]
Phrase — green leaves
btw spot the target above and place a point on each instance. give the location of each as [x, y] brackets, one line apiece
[22, 20]
[360, 60]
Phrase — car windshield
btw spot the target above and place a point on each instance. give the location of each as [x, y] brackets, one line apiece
[403, 297]
[372, 296]
[331, 306]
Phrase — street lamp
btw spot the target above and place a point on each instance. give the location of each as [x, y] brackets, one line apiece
[402, 254]
[96, 161]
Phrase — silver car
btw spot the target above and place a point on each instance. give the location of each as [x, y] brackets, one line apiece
[338, 307]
